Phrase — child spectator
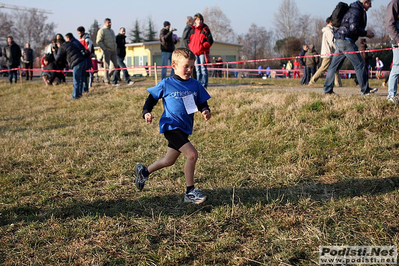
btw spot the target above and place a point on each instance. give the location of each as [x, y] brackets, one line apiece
[182, 96]
[51, 74]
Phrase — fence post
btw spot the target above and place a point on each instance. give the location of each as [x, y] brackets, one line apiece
[156, 73]
[227, 72]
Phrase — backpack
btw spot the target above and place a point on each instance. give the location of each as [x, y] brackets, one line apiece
[338, 14]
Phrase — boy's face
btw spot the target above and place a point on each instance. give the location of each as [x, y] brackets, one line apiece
[183, 68]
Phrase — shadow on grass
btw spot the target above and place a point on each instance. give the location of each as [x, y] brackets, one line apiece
[172, 204]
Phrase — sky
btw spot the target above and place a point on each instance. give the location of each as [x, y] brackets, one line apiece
[70, 14]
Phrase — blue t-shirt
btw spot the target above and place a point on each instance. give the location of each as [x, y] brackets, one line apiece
[172, 92]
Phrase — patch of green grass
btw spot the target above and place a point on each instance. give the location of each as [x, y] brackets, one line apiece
[285, 172]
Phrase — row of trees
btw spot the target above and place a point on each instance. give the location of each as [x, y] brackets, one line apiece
[291, 30]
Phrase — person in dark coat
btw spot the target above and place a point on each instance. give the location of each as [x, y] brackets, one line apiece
[305, 79]
[28, 61]
[352, 27]
[121, 54]
[71, 50]
[167, 47]
[12, 55]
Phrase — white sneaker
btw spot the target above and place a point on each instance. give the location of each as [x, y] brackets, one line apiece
[394, 100]
[194, 196]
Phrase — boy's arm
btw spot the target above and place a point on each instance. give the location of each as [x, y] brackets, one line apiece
[205, 110]
[149, 105]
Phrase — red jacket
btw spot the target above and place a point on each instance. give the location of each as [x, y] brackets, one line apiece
[201, 40]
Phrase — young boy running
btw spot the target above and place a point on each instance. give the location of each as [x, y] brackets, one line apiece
[182, 96]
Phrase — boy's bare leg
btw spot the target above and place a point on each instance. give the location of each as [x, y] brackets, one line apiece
[169, 159]
[191, 158]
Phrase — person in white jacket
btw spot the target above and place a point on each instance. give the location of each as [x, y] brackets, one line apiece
[327, 48]
[378, 66]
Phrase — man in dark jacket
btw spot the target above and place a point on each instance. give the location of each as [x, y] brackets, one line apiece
[167, 47]
[73, 51]
[352, 27]
[392, 25]
[28, 61]
[12, 55]
[305, 79]
[121, 54]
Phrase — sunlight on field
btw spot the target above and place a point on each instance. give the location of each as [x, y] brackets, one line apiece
[286, 171]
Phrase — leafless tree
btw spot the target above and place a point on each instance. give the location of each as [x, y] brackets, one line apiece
[257, 43]
[6, 25]
[219, 24]
[286, 19]
[377, 20]
[31, 26]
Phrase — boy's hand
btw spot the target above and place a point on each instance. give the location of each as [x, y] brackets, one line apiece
[148, 118]
[206, 114]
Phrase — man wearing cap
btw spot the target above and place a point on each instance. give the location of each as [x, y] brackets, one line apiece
[352, 27]
[167, 47]
[392, 25]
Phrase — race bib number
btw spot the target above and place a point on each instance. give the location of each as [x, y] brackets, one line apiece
[189, 104]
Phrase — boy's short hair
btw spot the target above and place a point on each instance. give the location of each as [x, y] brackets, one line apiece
[182, 53]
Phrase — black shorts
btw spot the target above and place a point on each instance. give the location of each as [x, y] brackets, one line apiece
[176, 138]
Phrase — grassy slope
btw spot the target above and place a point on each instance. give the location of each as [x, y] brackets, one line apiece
[285, 172]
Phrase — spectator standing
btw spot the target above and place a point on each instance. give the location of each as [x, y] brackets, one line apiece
[297, 66]
[200, 44]
[188, 30]
[288, 67]
[311, 61]
[378, 66]
[260, 72]
[302, 62]
[121, 53]
[12, 55]
[71, 51]
[28, 58]
[107, 41]
[185, 39]
[167, 47]
[392, 26]
[84, 39]
[327, 48]
[352, 27]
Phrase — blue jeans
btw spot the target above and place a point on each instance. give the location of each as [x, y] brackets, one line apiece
[12, 73]
[393, 76]
[78, 79]
[166, 61]
[202, 70]
[121, 64]
[357, 61]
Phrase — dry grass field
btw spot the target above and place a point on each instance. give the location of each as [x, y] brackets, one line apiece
[286, 170]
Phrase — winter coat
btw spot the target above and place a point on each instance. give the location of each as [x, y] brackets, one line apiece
[12, 54]
[327, 42]
[28, 55]
[392, 21]
[121, 45]
[167, 43]
[185, 38]
[72, 52]
[201, 41]
[353, 24]
[311, 61]
[106, 39]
